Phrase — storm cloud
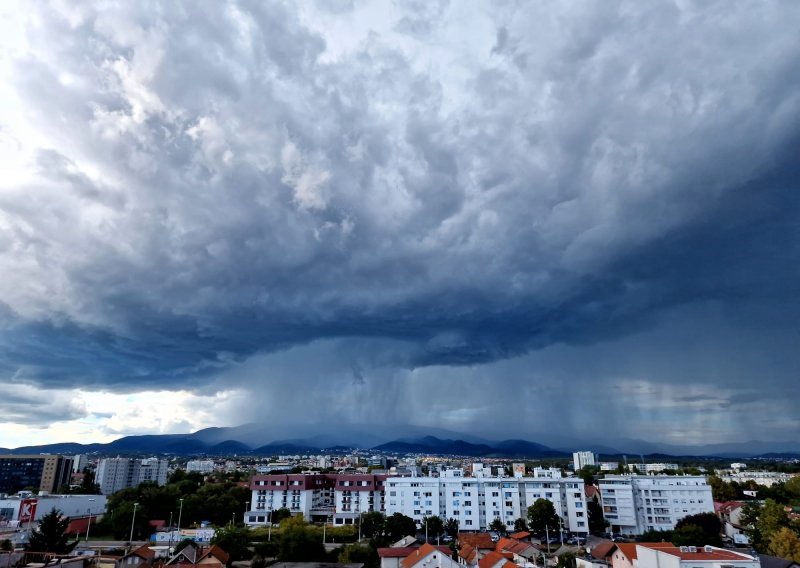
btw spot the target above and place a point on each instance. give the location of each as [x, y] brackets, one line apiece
[382, 199]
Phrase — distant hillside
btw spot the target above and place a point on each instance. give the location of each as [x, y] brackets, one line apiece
[506, 448]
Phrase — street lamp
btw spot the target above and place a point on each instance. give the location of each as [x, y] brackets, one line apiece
[133, 518]
[89, 523]
[180, 513]
[169, 549]
[244, 515]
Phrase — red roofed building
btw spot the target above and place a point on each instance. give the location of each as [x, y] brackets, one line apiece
[481, 541]
[392, 556]
[522, 551]
[693, 557]
[497, 560]
[429, 556]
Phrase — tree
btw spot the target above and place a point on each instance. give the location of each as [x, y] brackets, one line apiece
[566, 560]
[792, 487]
[372, 524]
[434, 526]
[497, 526]
[771, 519]
[520, 525]
[360, 554]
[786, 544]
[542, 516]
[235, 541]
[689, 535]
[51, 535]
[708, 523]
[594, 512]
[721, 490]
[277, 516]
[298, 543]
[451, 527]
[399, 526]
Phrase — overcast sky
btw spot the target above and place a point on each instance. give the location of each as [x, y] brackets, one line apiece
[508, 218]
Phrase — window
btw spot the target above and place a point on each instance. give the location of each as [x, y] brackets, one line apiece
[495, 494]
[417, 512]
[467, 503]
[469, 522]
[392, 493]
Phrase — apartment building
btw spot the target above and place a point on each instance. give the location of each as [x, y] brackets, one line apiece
[582, 459]
[200, 466]
[477, 501]
[634, 504]
[115, 474]
[649, 468]
[337, 498]
[43, 472]
[693, 557]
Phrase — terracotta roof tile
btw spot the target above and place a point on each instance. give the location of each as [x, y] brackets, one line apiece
[420, 553]
[478, 540]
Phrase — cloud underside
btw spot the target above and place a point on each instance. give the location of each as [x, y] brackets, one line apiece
[440, 190]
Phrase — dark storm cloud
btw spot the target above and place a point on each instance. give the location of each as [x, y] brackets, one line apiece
[202, 183]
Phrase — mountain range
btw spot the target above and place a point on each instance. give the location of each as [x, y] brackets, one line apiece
[255, 439]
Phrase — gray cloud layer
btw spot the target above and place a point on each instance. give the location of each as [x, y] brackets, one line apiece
[453, 186]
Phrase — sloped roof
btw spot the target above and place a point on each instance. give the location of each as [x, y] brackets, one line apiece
[478, 540]
[468, 552]
[143, 551]
[520, 535]
[603, 549]
[495, 559]
[216, 552]
[418, 554]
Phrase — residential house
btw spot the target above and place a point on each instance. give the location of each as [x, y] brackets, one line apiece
[392, 556]
[429, 556]
[496, 560]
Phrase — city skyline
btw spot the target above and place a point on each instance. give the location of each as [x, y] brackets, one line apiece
[503, 219]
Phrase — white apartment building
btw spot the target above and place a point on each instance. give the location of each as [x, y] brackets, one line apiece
[608, 466]
[115, 474]
[633, 504]
[201, 466]
[649, 468]
[767, 478]
[318, 497]
[476, 501]
[582, 459]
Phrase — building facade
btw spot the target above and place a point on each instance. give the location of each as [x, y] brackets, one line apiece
[582, 459]
[633, 504]
[201, 466]
[337, 498]
[47, 473]
[115, 474]
[477, 501]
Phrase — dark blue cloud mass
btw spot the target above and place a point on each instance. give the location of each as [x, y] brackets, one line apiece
[523, 198]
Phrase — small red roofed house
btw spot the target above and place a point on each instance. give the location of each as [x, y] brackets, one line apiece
[429, 556]
[521, 535]
[481, 541]
[497, 560]
[468, 555]
[393, 555]
[522, 552]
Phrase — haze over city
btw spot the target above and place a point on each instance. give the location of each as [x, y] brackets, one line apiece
[546, 221]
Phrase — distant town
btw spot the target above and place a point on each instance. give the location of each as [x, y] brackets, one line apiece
[397, 510]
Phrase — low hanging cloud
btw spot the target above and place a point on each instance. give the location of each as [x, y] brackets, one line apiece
[189, 186]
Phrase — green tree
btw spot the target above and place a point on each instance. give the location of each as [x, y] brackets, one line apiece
[721, 490]
[497, 526]
[372, 524]
[278, 515]
[298, 543]
[451, 527]
[594, 512]
[542, 516]
[785, 543]
[360, 554]
[771, 519]
[689, 535]
[656, 536]
[51, 535]
[566, 560]
[708, 523]
[434, 526]
[235, 541]
[792, 487]
[520, 525]
[399, 526]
